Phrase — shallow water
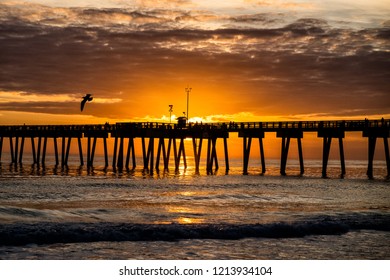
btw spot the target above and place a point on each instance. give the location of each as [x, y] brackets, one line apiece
[101, 214]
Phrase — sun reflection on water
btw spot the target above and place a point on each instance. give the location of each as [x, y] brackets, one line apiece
[184, 215]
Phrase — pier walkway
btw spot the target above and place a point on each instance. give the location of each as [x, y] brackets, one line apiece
[171, 137]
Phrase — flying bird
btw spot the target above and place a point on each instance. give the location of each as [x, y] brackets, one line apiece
[87, 97]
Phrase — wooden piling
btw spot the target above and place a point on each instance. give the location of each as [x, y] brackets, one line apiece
[130, 151]
[262, 156]
[33, 150]
[212, 159]
[225, 145]
[63, 143]
[120, 154]
[161, 150]
[11, 147]
[44, 151]
[183, 152]
[16, 149]
[105, 152]
[80, 150]
[342, 159]
[284, 154]
[144, 154]
[93, 150]
[371, 152]
[166, 161]
[150, 155]
[300, 152]
[1, 146]
[179, 154]
[177, 162]
[325, 155]
[247, 141]
[39, 150]
[327, 135]
[89, 163]
[55, 150]
[372, 133]
[21, 150]
[387, 155]
[68, 150]
[197, 152]
[115, 152]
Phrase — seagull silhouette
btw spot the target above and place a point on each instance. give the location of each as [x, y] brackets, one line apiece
[87, 97]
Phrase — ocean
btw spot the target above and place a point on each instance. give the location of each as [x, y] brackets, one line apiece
[78, 213]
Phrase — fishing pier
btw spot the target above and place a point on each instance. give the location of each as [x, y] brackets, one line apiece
[162, 141]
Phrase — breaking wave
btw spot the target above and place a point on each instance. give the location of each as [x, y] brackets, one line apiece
[50, 233]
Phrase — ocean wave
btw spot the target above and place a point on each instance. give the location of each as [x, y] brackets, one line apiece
[50, 233]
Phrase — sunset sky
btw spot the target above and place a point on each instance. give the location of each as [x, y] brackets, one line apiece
[245, 60]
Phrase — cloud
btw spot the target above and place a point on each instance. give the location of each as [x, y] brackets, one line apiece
[281, 3]
[263, 63]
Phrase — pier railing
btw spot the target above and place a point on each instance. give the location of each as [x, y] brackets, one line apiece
[350, 125]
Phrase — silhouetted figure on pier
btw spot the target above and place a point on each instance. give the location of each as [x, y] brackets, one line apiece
[87, 97]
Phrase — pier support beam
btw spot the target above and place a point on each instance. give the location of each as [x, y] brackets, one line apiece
[117, 158]
[262, 157]
[166, 162]
[327, 135]
[286, 135]
[130, 152]
[387, 155]
[212, 159]
[1, 146]
[66, 144]
[44, 150]
[89, 162]
[56, 150]
[371, 152]
[325, 154]
[21, 150]
[372, 134]
[148, 155]
[161, 148]
[16, 149]
[120, 154]
[11, 147]
[105, 152]
[179, 154]
[39, 144]
[63, 142]
[67, 151]
[34, 154]
[80, 150]
[114, 156]
[197, 152]
[246, 153]
[227, 167]
[247, 136]
[284, 154]
[342, 158]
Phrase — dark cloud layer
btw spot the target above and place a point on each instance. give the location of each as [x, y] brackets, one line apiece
[306, 66]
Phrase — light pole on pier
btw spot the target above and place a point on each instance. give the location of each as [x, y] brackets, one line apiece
[170, 113]
[188, 90]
